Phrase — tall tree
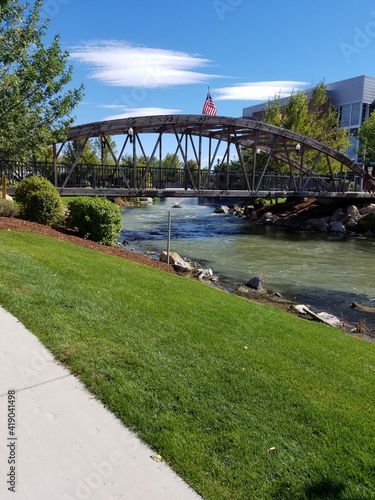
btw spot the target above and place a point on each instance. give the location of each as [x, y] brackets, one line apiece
[273, 112]
[87, 151]
[172, 161]
[35, 107]
[366, 135]
[313, 116]
[103, 151]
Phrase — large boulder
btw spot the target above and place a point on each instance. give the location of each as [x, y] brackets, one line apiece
[222, 209]
[351, 224]
[178, 263]
[338, 215]
[173, 257]
[353, 213]
[337, 227]
[268, 218]
[205, 274]
[320, 224]
[183, 266]
[366, 210]
[238, 211]
[256, 283]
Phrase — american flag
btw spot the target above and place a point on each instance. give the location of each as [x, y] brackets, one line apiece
[209, 107]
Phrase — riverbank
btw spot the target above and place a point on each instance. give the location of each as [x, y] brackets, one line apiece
[264, 296]
[312, 214]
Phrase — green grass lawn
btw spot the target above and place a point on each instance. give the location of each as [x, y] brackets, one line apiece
[67, 199]
[209, 380]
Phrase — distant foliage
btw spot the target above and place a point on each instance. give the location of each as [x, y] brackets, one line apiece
[366, 135]
[39, 201]
[8, 208]
[258, 203]
[96, 219]
[368, 222]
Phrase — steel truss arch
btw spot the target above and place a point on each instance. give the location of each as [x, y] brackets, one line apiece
[276, 143]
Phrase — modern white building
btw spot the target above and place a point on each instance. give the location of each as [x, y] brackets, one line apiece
[354, 99]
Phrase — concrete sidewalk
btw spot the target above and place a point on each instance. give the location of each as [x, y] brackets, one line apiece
[66, 445]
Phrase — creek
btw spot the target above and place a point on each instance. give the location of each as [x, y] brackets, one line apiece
[316, 269]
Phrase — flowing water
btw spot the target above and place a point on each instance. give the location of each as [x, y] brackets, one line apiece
[326, 272]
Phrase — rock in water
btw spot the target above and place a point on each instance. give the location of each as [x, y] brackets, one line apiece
[205, 273]
[222, 210]
[337, 227]
[256, 283]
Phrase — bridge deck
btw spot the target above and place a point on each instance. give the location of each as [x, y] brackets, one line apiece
[190, 193]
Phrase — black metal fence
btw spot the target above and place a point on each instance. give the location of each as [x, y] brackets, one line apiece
[112, 176]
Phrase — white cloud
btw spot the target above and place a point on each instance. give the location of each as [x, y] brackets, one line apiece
[130, 112]
[257, 91]
[122, 64]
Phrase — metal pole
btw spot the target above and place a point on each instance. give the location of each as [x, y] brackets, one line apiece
[4, 186]
[54, 164]
[169, 236]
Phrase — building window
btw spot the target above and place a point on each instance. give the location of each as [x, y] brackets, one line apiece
[364, 111]
[353, 148]
[345, 115]
[350, 115]
[356, 108]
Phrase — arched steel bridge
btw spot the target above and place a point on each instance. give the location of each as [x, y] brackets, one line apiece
[210, 141]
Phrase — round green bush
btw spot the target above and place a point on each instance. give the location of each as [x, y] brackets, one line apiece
[39, 201]
[8, 208]
[95, 219]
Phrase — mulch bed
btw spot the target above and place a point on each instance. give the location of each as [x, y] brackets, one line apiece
[22, 225]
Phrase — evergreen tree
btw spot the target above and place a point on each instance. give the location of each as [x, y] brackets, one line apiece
[103, 151]
[88, 154]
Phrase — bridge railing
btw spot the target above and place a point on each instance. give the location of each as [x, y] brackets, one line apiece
[141, 177]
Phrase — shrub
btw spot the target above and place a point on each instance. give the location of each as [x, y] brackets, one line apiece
[39, 201]
[368, 222]
[8, 208]
[96, 219]
[257, 202]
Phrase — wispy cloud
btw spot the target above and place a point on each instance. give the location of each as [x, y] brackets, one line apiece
[125, 112]
[257, 91]
[123, 64]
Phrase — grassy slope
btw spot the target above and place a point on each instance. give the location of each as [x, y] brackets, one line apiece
[209, 380]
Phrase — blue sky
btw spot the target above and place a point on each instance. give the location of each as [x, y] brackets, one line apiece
[144, 57]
